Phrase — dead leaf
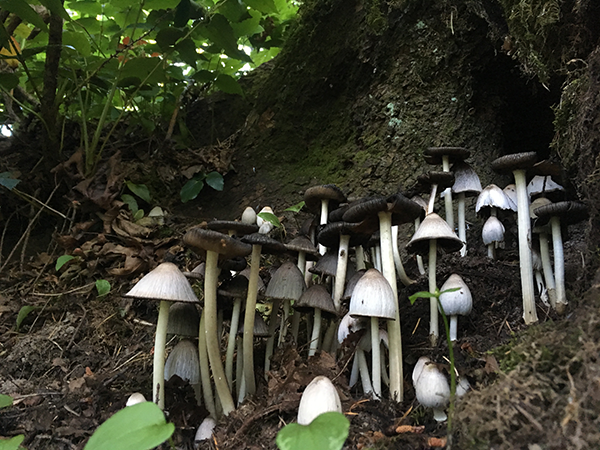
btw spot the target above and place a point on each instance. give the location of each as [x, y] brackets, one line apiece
[434, 442]
[491, 364]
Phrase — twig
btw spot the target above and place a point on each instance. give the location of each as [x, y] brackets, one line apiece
[76, 330]
[41, 294]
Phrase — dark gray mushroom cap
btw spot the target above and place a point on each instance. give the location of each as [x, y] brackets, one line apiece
[201, 240]
[329, 236]
[237, 264]
[314, 195]
[236, 287]
[569, 212]
[184, 319]
[403, 209]
[514, 161]
[466, 179]
[327, 264]
[287, 283]
[303, 244]
[316, 296]
[442, 179]
[433, 155]
[260, 327]
[351, 283]
[434, 227]
[364, 208]
[238, 228]
[337, 214]
[269, 245]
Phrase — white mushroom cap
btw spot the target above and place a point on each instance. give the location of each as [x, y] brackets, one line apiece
[511, 192]
[320, 396]
[249, 216]
[540, 184]
[348, 325]
[183, 362]
[264, 226]
[135, 398]
[462, 387]
[205, 429]
[456, 302]
[492, 196]
[165, 282]
[373, 297]
[431, 388]
[493, 230]
[419, 368]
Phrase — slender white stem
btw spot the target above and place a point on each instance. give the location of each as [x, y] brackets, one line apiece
[239, 368]
[433, 305]
[491, 250]
[453, 327]
[377, 262]
[431, 204]
[283, 327]
[462, 223]
[448, 194]
[547, 267]
[340, 273]
[364, 372]
[419, 257]
[404, 278]
[384, 375]
[353, 372]
[541, 287]
[160, 341]
[207, 392]
[559, 265]
[525, 258]
[360, 257]
[375, 357]
[316, 331]
[249, 320]
[323, 221]
[235, 320]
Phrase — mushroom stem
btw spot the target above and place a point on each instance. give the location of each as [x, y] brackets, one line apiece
[239, 367]
[364, 371]
[525, 258]
[360, 257]
[559, 265]
[323, 220]
[340, 273]
[295, 325]
[419, 257]
[284, 321]
[316, 331]
[547, 267]
[353, 372]
[209, 400]
[248, 345]
[210, 332]
[432, 196]
[235, 320]
[433, 302]
[160, 340]
[404, 278]
[462, 224]
[448, 194]
[375, 357]
[453, 327]
[491, 250]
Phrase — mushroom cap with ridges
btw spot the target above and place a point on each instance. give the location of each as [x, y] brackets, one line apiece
[542, 185]
[238, 228]
[364, 208]
[373, 297]
[403, 209]
[327, 264]
[261, 328]
[351, 284]
[329, 236]
[510, 190]
[349, 325]
[165, 282]
[236, 287]
[201, 240]
[492, 231]
[303, 244]
[434, 227]
[514, 161]
[443, 180]
[466, 179]
[184, 319]
[314, 195]
[287, 283]
[569, 212]
[537, 203]
[183, 362]
[492, 197]
[269, 245]
[456, 302]
[433, 155]
[316, 296]
[320, 396]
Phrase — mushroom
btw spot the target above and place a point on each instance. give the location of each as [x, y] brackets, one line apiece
[543, 186]
[511, 193]
[249, 216]
[423, 204]
[319, 300]
[374, 297]
[184, 320]
[322, 199]
[432, 181]
[455, 303]
[433, 232]
[518, 163]
[466, 184]
[205, 430]
[183, 361]
[492, 234]
[320, 396]
[264, 226]
[167, 284]
[431, 387]
[135, 398]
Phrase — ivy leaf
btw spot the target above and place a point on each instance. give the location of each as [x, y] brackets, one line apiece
[296, 208]
[228, 84]
[270, 217]
[6, 178]
[138, 427]
[215, 180]
[326, 432]
[22, 9]
[131, 202]
[62, 260]
[103, 287]
[191, 189]
[23, 313]
[5, 401]
[141, 190]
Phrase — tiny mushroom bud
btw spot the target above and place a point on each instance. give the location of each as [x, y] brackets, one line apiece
[455, 303]
[320, 396]
[135, 398]
[205, 429]
[431, 387]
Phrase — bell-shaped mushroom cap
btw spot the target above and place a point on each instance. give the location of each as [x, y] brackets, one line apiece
[236, 287]
[433, 155]
[261, 328]
[348, 325]
[135, 398]
[249, 216]
[456, 302]
[184, 319]
[416, 373]
[538, 202]
[287, 283]
[269, 245]
[327, 264]
[514, 161]
[201, 240]
[303, 244]
[351, 284]
[443, 180]
[431, 386]
[466, 179]
[314, 195]
[493, 231]
[434, 227]
[373, 297]
[403, 209]
[492, 197]
[165, 282]
[511, 193]
[261, 284]
[320, 396]
[569, 212]
[183, 362]
[316, 296]
[542, 185]
[205, 429]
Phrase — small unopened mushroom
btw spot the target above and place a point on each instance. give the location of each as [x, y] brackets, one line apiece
[457, 302]
[431, 387]
[320, 396]
[205, 430]
[135, 398]
[492, 234]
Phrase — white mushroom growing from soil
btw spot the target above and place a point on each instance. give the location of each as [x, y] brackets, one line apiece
[492, 234]
[466, 184]
[320, 396]
[183, 361]
[431, 387]
[319, 300]
[456, 302]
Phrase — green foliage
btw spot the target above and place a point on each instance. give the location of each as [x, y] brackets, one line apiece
[5, 401]
[62, 260]
[296, 208]
[327, 431]
[103, 287]
[23, 313]
[271, 218]
[192, 188]
[13, 443]
[141, 190]
[138, 427]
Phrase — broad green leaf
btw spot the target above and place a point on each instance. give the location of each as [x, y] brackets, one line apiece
[249, 27]
[269, 217]
[296, 208]
[228, 84]
[422, 294]
[149, 70]
[182, 13]
[187, 52]
[328, 431]
[220, 32]
[138, 427]
[22, 9]
[215, 180]
[23, 313]
[264, 6]
[140, 190]
[233, 10]
[62, 260]
[168, 37]
[12, 443]
[6, 178]
[5, 401]
[191, 189]
[204, 76]
[56, 7]
[103, 287]
[160, 4]
[79, 41]
[90, 8]
[138, 215]
[131, 202]
[8, 81]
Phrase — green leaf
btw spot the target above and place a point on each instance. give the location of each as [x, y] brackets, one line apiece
[328, 431]
[187, 52]
[138, 214]
[6, 178]
[22, 9]
[62, 260]
[204, 76]
[422, 294]
[168, 37]
[228, 84]
[269, 217]
[12, 443]
[23, 313]
[191, 189]
[8, 81]
[79, 41]
[103, 287]
[56, 7]
[5, 401]
[87, 7]
[264, 6]
[215, 180]
[138, 427]
[131, 202]
[140, 190]
[220, 32]
[182, 13]
[160, 4]
[296, 208]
